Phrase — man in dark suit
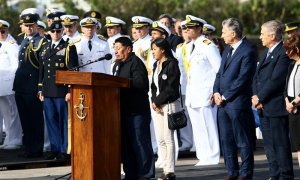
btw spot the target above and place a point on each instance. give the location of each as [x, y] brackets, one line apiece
[268, 98]
[232, 94]
[173, 39]
[26, 89]
[56, 55]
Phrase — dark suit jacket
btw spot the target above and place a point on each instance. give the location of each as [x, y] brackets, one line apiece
[269, 81]
[234, 80]
[52, 60]
[174, 40]
[27, 74]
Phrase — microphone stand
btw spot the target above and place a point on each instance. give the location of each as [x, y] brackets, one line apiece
[80, 66]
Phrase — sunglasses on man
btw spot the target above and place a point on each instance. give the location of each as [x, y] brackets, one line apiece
[56, 31]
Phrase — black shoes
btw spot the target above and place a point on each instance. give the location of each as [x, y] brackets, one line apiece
[51, 155]
[57, 156]
[169, 176]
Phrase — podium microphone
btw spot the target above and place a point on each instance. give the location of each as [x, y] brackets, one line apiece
[106, 57]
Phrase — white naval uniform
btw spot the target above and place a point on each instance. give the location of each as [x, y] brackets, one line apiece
[186, 133]
[71, 39]
[8, 109]
[204, 63]
[143, 44]
[99, 49]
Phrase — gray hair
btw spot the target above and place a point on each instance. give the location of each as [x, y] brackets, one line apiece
[274, 27]
[234, 25]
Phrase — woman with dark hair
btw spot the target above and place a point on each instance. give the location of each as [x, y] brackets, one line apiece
[292, 90]
[165, 99]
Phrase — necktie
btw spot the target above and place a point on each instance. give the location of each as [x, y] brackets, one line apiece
[53, 46]
[193, 47]
[228, 56]
[230, 53]
[90, 45]
[0, 45]
[268, 54]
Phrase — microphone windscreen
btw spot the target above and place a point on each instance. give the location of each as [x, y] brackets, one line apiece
[108, 56]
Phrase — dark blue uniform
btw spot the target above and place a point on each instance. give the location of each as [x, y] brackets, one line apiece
[62, 57]
[26, 90]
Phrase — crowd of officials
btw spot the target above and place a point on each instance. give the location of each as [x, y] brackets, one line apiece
[168, 62]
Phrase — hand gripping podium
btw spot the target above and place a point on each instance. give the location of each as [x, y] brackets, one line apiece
[95, 124]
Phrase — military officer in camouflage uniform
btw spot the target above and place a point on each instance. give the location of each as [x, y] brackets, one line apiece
[26, 88]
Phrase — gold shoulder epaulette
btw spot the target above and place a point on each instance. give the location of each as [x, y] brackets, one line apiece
[206, 41]
[179, 45]
[101, 37]
[11, 41]
[21, 34]
[44, 43]
[74, 41]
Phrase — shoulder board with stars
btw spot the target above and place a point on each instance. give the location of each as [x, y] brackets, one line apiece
[207, 42]
[101, 37]
[179, 45]
[11, 41]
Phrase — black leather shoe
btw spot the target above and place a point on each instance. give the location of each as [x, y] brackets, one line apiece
[62, 157]
[169, 176]
[50, 155]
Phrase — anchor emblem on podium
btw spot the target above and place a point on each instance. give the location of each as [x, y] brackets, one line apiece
[80, 107]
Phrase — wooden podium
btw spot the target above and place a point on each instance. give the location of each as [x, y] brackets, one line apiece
[95, 124]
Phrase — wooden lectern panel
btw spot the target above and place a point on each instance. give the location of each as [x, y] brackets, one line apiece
[95, 124]
[99, 156]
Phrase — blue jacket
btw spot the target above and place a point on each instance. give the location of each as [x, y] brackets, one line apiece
[234, 79]
[269, 81]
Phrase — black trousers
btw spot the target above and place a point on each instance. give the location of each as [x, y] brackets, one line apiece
[275, 132]
[31, 115]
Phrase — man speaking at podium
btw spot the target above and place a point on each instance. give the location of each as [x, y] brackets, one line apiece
[137, 153]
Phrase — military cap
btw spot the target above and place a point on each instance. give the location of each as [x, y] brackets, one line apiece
[32, 11]
[92, 14]
[88, 22]
[208, 28]
[41, 24]
[30, 18]
[158, 26]
[194, 21]
[68, 19]
[112, 21]
[140, 21]
[54, 14]
[56, 25]
[291, 26]
[4, 24]
[183, 24]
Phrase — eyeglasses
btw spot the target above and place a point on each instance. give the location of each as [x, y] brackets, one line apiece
[3, 32]
[57, 31]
